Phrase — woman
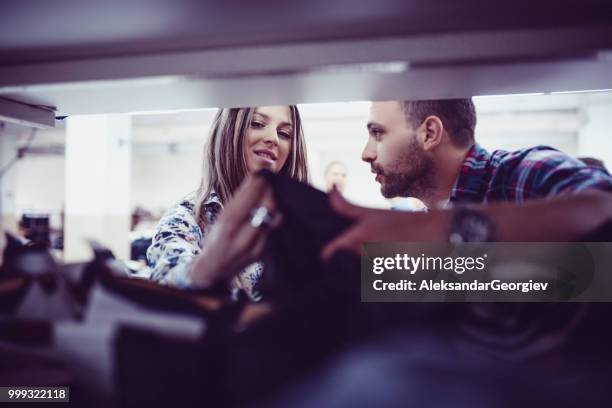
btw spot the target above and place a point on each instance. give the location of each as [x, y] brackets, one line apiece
[186, 250]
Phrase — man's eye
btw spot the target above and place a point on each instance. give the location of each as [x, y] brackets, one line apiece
[376, 134]
[257, 125]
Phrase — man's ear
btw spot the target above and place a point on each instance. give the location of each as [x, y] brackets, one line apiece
[432, 132]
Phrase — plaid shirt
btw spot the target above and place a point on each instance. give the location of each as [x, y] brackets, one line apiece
[537, 172]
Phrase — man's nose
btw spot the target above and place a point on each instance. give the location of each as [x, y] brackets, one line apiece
[369, 153]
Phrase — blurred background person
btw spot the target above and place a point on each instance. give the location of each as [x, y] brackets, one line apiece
[335, 175]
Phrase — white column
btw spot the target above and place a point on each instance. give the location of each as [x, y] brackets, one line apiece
[595, 138]
[98, 163]
[9, 135]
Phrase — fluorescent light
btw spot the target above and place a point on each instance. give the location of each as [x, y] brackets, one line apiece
[170, 111]
[510, 95]
[582, 91]
[392, 67]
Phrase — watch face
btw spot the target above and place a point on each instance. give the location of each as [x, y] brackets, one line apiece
[471, 226]
[476, 227]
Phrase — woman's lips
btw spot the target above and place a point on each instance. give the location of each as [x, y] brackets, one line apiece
[266, 157]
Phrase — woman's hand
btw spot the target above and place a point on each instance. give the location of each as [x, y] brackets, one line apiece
[236, 240]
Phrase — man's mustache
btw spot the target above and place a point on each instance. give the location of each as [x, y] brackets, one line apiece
[377, 169]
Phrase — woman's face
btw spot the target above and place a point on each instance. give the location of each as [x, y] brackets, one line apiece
[268, 138]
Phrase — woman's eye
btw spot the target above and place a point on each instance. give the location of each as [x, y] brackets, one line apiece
[257, 125]
[284, 135]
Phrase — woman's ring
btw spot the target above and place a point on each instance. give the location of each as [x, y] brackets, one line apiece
[260, 216]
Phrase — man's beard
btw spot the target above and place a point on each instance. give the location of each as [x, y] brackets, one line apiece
[411, 175]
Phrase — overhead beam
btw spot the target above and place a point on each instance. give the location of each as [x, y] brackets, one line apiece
[415, 83]
[511, 46]
[26, 115]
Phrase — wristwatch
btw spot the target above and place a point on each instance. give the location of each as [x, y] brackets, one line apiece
[470, 225]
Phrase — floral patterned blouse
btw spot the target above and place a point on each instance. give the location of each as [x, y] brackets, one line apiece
[179, 239]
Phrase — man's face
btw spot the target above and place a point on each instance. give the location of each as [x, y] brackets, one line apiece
[395, 154]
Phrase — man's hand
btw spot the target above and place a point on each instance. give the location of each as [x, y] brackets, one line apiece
[373, 225]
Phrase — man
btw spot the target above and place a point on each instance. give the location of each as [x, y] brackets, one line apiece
[426, 149]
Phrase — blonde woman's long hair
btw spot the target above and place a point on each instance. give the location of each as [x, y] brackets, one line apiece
[225, 165]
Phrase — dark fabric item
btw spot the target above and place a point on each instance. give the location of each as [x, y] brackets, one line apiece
[292, 259]
[425, 369]
[601, 234]
[146, 376]
[20, 367]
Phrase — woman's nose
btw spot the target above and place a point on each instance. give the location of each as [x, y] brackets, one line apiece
[271, 137]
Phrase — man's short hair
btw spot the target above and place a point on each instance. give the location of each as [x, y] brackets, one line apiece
[457, 115]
